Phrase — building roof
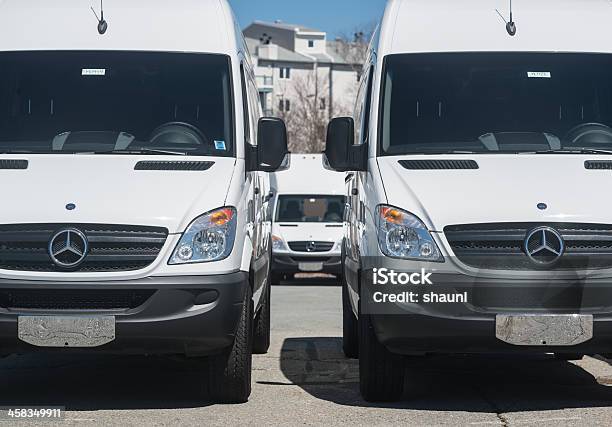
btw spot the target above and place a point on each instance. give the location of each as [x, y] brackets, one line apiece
[289, 27]
[284, 55]
[412, 26]
[160, 25]
[333, 54]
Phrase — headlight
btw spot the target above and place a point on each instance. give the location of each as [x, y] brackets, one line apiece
[403, 235]
[209, 238]
[278, 244]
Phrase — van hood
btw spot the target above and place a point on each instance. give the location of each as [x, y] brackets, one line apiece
[505, 188]
[309, 231]
[107, 189]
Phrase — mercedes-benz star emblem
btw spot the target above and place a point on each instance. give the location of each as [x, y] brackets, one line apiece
[311, 247]
[544, 246]
[68, 248]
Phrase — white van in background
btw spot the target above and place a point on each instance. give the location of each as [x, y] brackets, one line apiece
[308, 214]
[480, 154]
[133, 172]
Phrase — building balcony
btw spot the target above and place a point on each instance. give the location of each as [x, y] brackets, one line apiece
[265, 83]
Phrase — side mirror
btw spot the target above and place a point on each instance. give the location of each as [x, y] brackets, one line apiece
[341, 153]
[271, 153]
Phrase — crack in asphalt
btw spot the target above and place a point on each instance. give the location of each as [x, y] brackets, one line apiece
[494, 406]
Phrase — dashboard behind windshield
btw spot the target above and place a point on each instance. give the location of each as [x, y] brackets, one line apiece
[310, 208]
[496, 102]
[149, 102]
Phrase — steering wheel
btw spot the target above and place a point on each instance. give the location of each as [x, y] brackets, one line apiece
[590, 134]
[177, 133]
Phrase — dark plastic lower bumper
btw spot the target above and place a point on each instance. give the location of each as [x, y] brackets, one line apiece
[192, 315]
[470, 327]
[288, 264]
[422, 334]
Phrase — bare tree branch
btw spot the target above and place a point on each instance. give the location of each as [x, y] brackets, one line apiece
[307, 119]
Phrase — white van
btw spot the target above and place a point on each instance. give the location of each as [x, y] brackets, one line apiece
[133, 217]
[480, 152]
[308, 214]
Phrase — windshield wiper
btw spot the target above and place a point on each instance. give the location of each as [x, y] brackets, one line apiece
[593, 151]
[140, 151]
[437, 153]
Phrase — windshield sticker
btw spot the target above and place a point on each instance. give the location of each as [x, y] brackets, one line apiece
[220, 145]
[539, 74]
[93, 72]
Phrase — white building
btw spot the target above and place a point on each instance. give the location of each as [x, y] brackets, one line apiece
[289, 58]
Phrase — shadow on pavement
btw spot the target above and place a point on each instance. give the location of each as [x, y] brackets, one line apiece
[493, 384]
[93, 382]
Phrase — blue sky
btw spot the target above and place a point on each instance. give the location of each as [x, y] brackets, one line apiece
[334, 16]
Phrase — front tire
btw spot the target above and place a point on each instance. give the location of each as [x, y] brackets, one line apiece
[381, 373]
[350, 329]
[229, 373]
[261, 329]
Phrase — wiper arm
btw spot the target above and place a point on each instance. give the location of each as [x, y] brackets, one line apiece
[593, 151]
[437, 153]
[141, 151]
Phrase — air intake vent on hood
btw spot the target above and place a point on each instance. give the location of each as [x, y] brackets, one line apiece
[598, 164]
[13, 164]
[173, 166]
[438, 164]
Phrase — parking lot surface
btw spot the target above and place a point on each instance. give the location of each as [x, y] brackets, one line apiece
[305, 380]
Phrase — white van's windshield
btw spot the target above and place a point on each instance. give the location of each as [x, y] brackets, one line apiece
[496, 102]
[304, 208]
[115, 102]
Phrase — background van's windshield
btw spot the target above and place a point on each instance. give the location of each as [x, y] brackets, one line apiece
[329, 209]
[70, 102]
[496, 102]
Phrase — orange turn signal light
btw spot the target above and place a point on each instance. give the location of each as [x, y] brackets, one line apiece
[222, 216]
[391, 215]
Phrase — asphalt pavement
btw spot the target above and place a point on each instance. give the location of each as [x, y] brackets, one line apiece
[305, 380]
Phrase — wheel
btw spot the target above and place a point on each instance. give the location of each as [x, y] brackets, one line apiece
[381, 373]
[229, 373]
[261, 328]
[350, 333]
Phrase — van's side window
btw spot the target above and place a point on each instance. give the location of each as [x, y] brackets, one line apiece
[362, 110]
[256, 111]
[245, 106]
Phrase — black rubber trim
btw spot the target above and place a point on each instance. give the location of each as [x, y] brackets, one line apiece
[8, 164]
[173, 166]
[438, 164]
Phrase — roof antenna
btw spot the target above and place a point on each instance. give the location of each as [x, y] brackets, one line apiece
[510, 26]
[102, 24]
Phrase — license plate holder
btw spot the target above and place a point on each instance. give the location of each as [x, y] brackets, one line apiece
[544, 330]
[310, 267]
[66, 331]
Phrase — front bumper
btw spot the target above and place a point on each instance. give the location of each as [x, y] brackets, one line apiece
[191, 315]
[470, 326]
[289, 263]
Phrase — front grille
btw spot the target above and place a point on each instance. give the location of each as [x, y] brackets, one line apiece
[311, 247]
[500, 246]
[571, 297]
[24, 247]
[63, 299]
